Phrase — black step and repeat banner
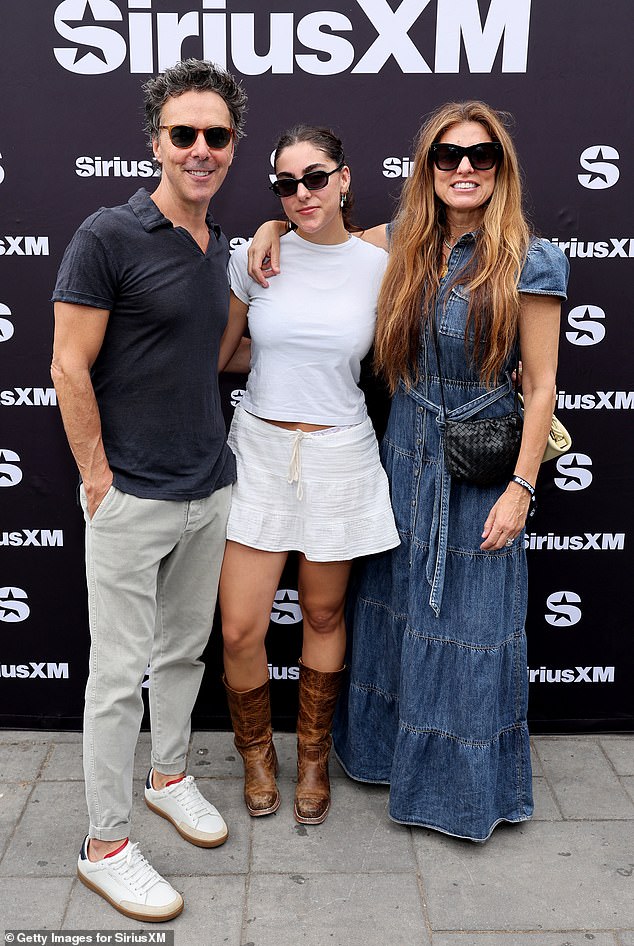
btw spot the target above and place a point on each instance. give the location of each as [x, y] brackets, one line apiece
[71, 141]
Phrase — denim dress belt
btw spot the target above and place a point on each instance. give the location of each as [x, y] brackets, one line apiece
[439, 529]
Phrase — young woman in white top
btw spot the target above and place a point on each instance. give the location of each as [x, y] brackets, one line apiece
[309, 477]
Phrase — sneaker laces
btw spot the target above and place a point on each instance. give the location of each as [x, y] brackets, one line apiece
[186, 793]
[136, 871]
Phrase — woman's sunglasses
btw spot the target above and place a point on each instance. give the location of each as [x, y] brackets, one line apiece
[217, 137]
[314, 181]
[482, 157]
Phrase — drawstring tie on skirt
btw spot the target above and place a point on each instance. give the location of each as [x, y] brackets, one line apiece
[295, 466]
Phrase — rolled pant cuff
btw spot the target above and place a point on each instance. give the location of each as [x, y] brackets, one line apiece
[170, 768]
[110, 834]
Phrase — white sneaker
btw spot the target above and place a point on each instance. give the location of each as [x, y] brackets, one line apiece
[193, 816]
[128, 882]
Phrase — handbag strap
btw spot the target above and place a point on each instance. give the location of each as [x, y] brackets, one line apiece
[436, 347]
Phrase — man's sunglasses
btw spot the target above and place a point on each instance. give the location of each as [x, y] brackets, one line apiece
[482, 157]
[314, 181]
[217, 137]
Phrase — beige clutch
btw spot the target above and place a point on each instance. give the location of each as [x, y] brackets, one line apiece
[559, 440]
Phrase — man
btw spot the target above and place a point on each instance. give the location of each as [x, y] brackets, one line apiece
[141, 302]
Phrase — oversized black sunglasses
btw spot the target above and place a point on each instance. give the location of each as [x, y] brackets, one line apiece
[314, 181]
[482, 157]
[217, 137]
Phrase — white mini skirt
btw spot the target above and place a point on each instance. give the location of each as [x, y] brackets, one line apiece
[322, 493]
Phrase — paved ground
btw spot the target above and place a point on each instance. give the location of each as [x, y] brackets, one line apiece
[564, 879]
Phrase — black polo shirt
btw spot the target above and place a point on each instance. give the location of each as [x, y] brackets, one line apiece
[156, 377]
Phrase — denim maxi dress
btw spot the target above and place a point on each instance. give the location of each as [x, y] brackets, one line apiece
[437, 698]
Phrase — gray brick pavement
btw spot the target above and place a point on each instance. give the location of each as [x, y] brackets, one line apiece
[564, 879]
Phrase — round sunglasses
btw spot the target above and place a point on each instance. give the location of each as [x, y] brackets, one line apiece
[482, 157]
[313, 181]
[217, 137]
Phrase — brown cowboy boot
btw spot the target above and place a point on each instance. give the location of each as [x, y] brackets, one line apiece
[251, 719]
[318, 694]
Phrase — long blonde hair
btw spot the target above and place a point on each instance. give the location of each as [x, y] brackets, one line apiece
[412, 274]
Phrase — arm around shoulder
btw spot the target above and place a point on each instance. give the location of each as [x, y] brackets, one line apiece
[377, 236]
[264, 251]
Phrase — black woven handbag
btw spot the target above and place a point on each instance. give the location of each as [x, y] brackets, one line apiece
[483, 452]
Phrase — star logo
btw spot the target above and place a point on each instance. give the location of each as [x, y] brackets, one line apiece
[10, 474]
[13, 606]
[100, 49]
[587, 322]
[597, 175]
[575, 472]
[286, 609]
[598, 161]
[6, 327]
[563, 610]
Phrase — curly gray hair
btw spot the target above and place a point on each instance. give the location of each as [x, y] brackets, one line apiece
[201, 76]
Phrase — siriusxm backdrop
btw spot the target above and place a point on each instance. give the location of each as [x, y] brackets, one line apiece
[71, 141]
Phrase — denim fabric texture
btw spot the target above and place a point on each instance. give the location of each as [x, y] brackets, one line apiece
[437, 699]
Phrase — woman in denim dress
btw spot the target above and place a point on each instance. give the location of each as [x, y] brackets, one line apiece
[437, 698]
[436, 705]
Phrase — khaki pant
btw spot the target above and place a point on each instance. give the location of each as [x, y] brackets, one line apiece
[152, 568]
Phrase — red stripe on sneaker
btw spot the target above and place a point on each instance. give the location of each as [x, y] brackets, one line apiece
[120, 848]
[175, 781]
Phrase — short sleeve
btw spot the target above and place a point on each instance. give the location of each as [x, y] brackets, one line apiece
[87, 275]
[241, 282]
[545, 272]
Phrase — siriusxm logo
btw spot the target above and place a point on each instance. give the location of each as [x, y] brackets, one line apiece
[283, 673]
[10, 474]
[596, 401]
[397, 167]
[588, 542]
[1, 170]
[40, 538]
[35, 671]
[235, 242]
[572, 675]
[602, 249]
[602, 173]
[28, 397]
[6, 327]
[563, 610]
[102, 35]
[286, 610]
[114, 167]
[586, 321]
[575, 472]
[236, 396]
[24, 246]
[13, 605]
